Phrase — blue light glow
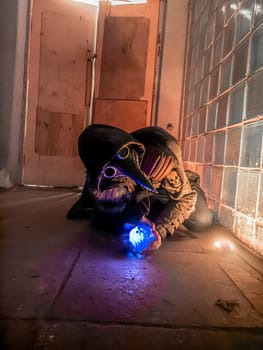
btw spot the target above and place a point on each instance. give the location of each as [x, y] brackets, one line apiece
[140, 237]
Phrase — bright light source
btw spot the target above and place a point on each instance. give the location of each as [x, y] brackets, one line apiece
[88, 2]
[113, 2]
[140, 237]
[127, 2]
[224, 244]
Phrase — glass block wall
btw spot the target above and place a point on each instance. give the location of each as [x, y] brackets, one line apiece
[223, 111]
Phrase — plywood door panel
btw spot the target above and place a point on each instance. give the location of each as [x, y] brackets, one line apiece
[56, 133]
[61, 33]
[124, 56]
[63, 61]
[125, 64]
[126, 114]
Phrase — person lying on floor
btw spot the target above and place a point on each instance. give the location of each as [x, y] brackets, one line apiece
[138, 177]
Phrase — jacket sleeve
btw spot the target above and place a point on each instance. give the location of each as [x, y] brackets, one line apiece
[175, 212]
[182, 199]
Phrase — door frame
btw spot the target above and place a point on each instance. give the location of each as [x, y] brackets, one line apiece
[19, 103]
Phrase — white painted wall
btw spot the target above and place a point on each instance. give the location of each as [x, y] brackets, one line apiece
[172, 70]
[13, 29]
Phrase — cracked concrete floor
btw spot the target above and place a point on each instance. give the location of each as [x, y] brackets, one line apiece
[65, 285]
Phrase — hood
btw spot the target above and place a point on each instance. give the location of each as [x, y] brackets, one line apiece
[162, 147]
[100, 145]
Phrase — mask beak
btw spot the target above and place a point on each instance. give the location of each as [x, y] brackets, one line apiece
[130, 168]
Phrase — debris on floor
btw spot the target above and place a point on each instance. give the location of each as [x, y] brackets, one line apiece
[228, 305]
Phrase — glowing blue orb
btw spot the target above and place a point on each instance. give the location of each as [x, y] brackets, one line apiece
[140, 237]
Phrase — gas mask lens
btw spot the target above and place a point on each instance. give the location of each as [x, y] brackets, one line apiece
[123, 153]
[109, 172]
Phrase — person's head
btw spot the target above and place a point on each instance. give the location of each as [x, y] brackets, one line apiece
[112, 159]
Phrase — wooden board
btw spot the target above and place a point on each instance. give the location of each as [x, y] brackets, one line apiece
[57, 133]
[61, 34]
[63, 62]
[125, 114]
[124, 56]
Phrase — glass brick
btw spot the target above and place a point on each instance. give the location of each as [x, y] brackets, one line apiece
[226, 74]
[201, 39]
[247, 192]
[260, 204]
[211, 116]
[229, 36]
[193, 150]
[251, 152]
[254, 105]
[258, 12]
[229, 187]
[245, 228]
[219, 147]
[190, 80]
[199, 71]
[195, 53]
[209, 33]
[256, 59]
[196, 9]
[201, 43]
[188, 129]
[244, 17]
[214, 206]
[222, 112]
[226, 217]
[240, 62]
[195, 122]
[206, 182]
[207, 61]
[204, 15]
[231, 6]
[202, 120]
[200, 149]
[190, 102]
[212, 5]
[219, 21]
[185, 126]
[197, 96]
[214, 83]
[218, 50]
[216, 176]
[186, 150]
[209, 148]
[204, 91]
[236, 105]
[259, 237]
[202, 3]
[232, 149]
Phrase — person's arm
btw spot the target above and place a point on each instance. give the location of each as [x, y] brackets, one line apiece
[176, 211]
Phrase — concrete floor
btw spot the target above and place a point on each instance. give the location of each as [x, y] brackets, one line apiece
[66, 286]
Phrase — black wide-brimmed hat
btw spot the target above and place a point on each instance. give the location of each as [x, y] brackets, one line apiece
[100, 145]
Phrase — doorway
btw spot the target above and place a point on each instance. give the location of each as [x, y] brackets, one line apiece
[61, 46]
[59, 77]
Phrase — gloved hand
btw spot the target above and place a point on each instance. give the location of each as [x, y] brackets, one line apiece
[142, 238]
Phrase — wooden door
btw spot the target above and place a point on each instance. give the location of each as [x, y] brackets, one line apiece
[125, 65]
[58, 91]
